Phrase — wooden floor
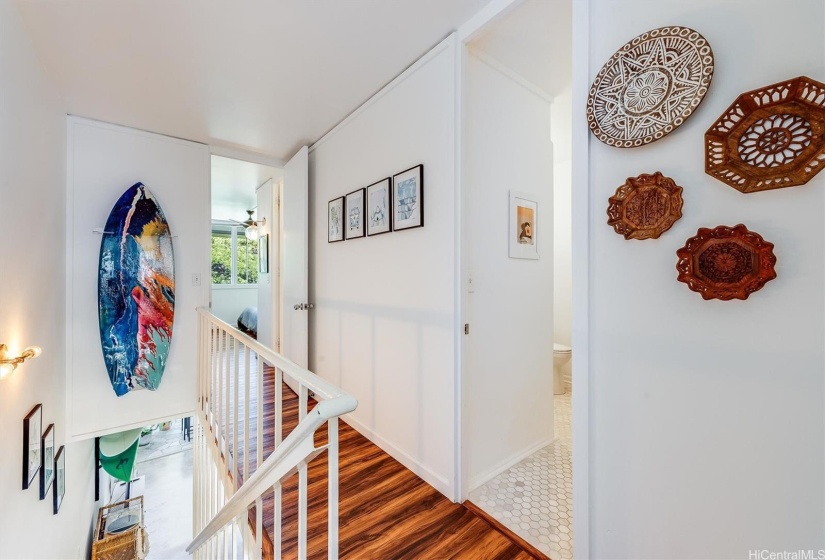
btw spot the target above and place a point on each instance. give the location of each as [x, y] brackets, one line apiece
[386, 512]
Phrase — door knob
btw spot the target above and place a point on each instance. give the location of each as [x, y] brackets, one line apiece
[303, 306]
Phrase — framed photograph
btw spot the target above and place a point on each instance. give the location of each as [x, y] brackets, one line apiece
[523, 234]
[379, 217]
[32, 453]
[335, 217]
[408, 198]
[59, 479]
[355, 214]
[263, 254]
[47, 462]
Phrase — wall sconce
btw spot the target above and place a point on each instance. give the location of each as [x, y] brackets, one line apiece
[9, 364]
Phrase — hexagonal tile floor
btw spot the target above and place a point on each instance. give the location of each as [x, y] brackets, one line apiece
[535, 497]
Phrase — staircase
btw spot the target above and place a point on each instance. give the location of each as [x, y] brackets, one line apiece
[269, 481]
[239, 463]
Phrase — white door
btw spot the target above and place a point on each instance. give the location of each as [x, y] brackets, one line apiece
[295, 260]
[268, 319]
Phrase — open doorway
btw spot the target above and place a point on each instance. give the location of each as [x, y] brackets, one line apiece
[244, 246]
[517, 268]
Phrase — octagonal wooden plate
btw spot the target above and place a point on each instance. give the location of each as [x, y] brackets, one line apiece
[769, 138]
[645, 206]
[726, 262]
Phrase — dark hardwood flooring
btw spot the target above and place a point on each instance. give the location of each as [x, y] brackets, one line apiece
[385, 511]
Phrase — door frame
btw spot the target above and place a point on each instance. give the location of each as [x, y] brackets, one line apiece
[260, 159]
[580, 252]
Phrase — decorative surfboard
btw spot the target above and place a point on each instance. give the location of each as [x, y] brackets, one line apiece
[136, 292]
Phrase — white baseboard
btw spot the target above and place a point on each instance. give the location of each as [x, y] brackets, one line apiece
[435, 480]
[507, 463]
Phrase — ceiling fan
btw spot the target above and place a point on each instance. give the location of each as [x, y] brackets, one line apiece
[251, 226]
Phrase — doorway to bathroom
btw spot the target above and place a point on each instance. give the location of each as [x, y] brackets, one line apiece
[516, 450]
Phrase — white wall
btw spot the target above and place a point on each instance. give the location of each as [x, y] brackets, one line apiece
[229, 301]
[104, 161]
[32, 300]
[383, 327]
[508, 355]
[707, 417]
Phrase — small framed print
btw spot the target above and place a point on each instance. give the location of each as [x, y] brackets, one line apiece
[408, 198]
[523, 234]
[355, 214]
[32, 453]
[379, 216]
[47, 462]
[335, 220]
[59, 479]
[263, 254]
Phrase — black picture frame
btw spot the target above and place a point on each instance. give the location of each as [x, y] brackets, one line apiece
[59, 479]
[46, 461]
[351, 205]
[416, 217]
[341, 218]
[32, 451]
[373, 230]
[263, 254]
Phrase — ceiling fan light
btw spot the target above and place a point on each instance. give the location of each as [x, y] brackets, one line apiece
[252, 232]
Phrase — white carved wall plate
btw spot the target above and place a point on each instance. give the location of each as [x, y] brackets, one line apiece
[650, 87]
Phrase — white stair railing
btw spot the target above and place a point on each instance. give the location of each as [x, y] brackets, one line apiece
[230, 390]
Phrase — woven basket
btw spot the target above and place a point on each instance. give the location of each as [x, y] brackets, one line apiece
[128, 545]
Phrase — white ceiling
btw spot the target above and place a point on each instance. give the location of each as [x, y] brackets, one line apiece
[264, 75]
[534, 40]
[233, 186]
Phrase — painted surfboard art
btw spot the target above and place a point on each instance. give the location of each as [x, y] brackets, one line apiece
[136, 292]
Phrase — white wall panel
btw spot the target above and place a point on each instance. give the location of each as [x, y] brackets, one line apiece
[104, 160]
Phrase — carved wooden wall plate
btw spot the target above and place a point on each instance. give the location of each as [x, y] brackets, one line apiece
[650, 87]
[645, 206]
[769, 138]
[726, 262]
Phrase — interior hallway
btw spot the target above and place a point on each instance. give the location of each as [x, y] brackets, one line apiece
[385, 511]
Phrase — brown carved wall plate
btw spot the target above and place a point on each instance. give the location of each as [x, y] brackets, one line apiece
[726, 262]
[645, 206]
[650, 87]
[769, 138]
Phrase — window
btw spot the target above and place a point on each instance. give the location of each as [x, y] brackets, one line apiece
[234, 257]
[247, 260]
[222, 256]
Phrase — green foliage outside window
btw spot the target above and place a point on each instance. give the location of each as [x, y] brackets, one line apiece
[221, 257]
[247, 260]
[246, 253]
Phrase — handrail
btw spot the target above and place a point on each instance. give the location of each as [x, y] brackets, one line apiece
[294, 452]
[320, 387]
[274, 467]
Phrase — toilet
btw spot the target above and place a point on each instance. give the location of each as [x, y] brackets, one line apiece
[561, 355]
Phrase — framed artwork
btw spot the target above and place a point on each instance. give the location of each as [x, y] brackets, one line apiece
[408, 198]
[263, 254]
[523, 234]
[335, 220]
[47, 462]
[379, 217]
[59, 479]
[32, 430]
[355, 214]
